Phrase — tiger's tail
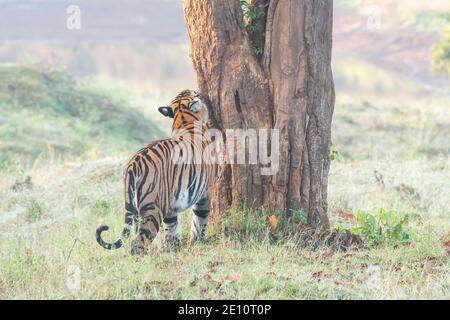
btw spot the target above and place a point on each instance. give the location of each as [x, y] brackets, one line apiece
[125, 233]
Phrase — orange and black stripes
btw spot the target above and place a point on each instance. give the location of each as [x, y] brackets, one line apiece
[157, 188]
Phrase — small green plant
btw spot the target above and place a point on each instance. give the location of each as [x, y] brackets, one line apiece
[334, 154]
[340, 227]
[13, 167]
[252, 15]
[256, 51]
[254, 22]
[299, 216]
[34, 211]
[243, 222]
[382, 227]
[101, 207]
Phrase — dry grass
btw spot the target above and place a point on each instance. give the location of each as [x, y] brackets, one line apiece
[55, 254]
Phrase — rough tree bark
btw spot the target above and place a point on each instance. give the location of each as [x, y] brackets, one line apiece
[287, 86]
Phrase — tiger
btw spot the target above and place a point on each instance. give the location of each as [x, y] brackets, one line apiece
[158, 187]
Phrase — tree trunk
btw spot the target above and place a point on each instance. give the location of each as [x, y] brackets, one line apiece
[279, 77]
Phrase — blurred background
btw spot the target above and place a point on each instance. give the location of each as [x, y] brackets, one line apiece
[136, 52]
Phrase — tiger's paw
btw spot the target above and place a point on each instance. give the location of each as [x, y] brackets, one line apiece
[197, 239]
[198, 236]
[141, 247]
[137, 248]
[171, 243]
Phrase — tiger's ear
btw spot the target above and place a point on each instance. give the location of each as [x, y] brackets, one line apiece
[194, 106]
[166, 111]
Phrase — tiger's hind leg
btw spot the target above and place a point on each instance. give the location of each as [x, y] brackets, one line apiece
[172, 230]
[200, 219]
[150, 221]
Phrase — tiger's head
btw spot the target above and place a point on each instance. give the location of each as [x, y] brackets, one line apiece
[187, 109]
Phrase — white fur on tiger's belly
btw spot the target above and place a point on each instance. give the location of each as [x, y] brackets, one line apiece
[182, 202]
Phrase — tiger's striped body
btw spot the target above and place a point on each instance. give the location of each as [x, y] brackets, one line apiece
[162, 179]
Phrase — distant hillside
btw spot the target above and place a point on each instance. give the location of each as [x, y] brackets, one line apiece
[49, 115]
[102, 22]
[396, 36]
[150, 37]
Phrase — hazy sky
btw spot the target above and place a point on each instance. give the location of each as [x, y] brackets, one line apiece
[102, 21]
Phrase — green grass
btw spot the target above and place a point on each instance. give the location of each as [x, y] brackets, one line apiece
[440, 53]
[430, 21]
[241, 261]
[341, 5]
[398, 131]
[390, 153]
[60, 259]
[34, 211]
[367, 81]
[398, 120]
[48, 116]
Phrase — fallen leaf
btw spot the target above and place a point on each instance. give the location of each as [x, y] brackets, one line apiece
[273, 221]
[317, 275]
[327, 254]
[345, 215]
[207, 277]
[233, 278]
[270, 274]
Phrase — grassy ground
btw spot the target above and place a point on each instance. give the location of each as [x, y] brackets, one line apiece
[48, 248]
[391, 154]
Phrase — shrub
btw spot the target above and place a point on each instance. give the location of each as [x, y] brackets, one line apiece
[440, 55]
[243, 222]
[382, 227]
[254, 22]
[260, 223]
[101, 207]
[34, 211]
